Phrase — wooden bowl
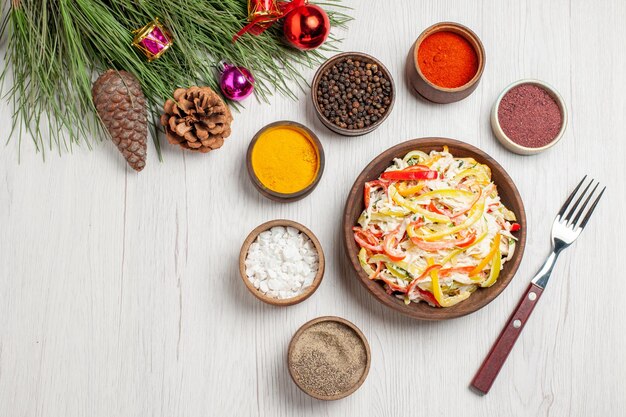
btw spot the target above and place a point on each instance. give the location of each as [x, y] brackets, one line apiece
[508, 193]
[433, 92]
[290, 197]
[243, 254]
[342, 57]
[508, 142]
[358, 332]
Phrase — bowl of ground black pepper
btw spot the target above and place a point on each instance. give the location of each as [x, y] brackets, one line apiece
[446, 62]
[329, 358]
[353, 93]
[529, 117]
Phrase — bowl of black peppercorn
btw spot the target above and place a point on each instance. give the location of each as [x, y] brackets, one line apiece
[352, 93]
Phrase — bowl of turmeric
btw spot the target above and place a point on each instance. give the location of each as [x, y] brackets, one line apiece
[285, 161]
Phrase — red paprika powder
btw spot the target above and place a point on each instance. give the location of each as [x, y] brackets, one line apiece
[447, 59]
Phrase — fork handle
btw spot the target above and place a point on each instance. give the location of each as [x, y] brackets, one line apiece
[489, 370]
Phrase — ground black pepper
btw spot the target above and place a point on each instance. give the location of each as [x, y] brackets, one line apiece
[353, 94]
[328, 359]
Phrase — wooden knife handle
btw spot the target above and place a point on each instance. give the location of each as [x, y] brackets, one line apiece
[504, 344]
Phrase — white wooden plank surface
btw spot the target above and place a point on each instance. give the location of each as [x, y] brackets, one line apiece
[119, 293]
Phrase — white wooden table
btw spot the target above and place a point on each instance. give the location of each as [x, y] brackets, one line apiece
[120, 294]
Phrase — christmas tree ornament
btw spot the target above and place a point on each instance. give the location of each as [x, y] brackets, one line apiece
[121, 106]
[264, 13]
[196, 119]
[237, 83]
[306, 27]
[153, 39]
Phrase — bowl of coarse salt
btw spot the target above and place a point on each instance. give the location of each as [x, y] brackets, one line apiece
[281, 262]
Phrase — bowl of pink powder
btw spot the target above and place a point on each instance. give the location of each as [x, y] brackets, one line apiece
[529, 117]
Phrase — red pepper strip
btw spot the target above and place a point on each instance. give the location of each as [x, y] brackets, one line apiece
[376, 231]
[414, 283]
[471, 238]
[367, 189]
[432, 246]
[367, 240]
[429, 297]
[390, 247]
[412, 175]
[379, 267]
[432, 207]
[515, 227]
[460, 269]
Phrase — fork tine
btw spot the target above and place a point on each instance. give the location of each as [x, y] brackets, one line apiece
[582, 209]
[593, 206]
[571, 211]
[570, 198]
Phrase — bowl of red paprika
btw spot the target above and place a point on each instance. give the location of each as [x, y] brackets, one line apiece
[446, 62]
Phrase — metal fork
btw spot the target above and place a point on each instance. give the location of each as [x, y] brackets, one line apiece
[567, 226]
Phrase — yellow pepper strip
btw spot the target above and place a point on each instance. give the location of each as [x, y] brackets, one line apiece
[495, 248]
[395, 196]
[447, 193]
[429, 162]
[421, 156]
[410, 268]
[444, 301]
[496, 264]
[475, 214]
[405, 190]
[480, 174]
[397, 272]
[364, 264]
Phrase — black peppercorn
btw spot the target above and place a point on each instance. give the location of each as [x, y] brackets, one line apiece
[353, 94]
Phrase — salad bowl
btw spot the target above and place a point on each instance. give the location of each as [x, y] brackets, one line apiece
[509, 196]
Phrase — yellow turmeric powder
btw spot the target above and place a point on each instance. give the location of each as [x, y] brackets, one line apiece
[285, 160]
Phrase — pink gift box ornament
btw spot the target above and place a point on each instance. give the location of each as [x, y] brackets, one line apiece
[153, 39]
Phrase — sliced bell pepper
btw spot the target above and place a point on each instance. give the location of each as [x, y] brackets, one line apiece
[478, 172]
[441, 299]
[390, 247]
[515, 227]
[419, 155]
[398, 272]
[410, 175]
[494, 273]
[413, 285]
[446, 193]
[367, 190]
[367, 240]
[476, 213]
[365, 265]
[415, 208]
[495, 248]
[406, 190]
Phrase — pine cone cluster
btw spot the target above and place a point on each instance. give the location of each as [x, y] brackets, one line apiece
[197, 119]
[121, 105]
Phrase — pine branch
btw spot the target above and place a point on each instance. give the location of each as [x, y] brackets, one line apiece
[56, 47]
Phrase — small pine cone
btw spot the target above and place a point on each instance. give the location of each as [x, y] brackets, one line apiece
[197, 119]
[121, 105]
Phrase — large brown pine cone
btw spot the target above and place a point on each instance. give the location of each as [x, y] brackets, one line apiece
[121, 106]
[197, 119]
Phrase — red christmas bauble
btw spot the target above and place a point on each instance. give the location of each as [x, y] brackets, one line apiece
[306, 27]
